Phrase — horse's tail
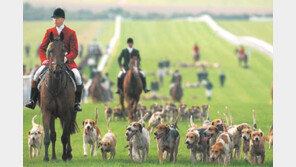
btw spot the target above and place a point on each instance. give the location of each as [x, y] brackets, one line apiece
[254, 121]
[108, 123]
[33, 120]
[73, 124]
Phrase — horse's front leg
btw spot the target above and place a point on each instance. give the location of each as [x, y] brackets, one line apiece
[130, 117]
[121, 98]
[135, 110]
[65, 138]
[53, 136]
[46, 123]
[69, 148]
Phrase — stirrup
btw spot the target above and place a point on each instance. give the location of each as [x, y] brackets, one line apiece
[31, 105]
[147, 90]
[77, 107]
[118, 91]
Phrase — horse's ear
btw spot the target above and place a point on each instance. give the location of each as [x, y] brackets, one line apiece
[62, 36]
[51, 37]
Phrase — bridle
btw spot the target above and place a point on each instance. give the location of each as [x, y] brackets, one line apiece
[60, 69]
[59, 64]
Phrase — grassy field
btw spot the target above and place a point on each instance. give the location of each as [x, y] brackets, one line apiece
[245, 89]
[86, 31]
[202, 3]
[260, 29]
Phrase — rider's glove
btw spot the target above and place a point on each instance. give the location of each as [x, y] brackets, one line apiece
[45, 62]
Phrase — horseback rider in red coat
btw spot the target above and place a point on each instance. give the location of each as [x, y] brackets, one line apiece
[71, 52]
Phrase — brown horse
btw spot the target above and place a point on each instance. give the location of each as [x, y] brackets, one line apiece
[132, 89]
[57, 100]
[176, 90]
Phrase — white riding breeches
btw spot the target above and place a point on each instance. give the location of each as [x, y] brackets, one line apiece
[75, 71]
[121, 73]
[38, 72]
[77, 76]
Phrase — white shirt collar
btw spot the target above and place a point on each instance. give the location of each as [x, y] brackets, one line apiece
[129, 49]
[59, 29]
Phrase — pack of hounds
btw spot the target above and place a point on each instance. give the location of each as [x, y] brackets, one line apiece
[217, 141]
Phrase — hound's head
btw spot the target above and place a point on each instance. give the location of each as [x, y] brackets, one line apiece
[218, 123]
[88, 125]
[191, 138]
[246, 134]
[256, 137]
[105, 146]
[161, 131]
[34, 136]
[211, 131]
[157, 116]
[216, 151]
[132, 129]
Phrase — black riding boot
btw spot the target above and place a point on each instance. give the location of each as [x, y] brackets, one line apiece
[144, 84]
[78, 98]
[33, 96]
[119, 85]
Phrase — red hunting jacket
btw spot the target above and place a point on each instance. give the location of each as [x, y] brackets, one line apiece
[70, 44]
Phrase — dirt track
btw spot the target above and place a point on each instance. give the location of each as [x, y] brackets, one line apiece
[144, 9]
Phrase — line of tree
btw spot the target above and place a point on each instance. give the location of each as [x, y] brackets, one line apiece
[41, 13]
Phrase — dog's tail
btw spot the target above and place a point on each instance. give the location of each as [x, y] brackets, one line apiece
[96, 117]
[191, 122]
[220, 116]
[33, 120]
[254, 120]
[108, 123]
[227, 120]
[142, 120]
[271, 128]
[208, 113]
[230, 116]
[176, 122]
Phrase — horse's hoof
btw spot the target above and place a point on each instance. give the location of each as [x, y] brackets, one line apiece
[64, 157]
[54, 157]
[69, 157]
[46, 159]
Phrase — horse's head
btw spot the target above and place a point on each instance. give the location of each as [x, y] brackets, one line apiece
[56, 53]
[134, 64]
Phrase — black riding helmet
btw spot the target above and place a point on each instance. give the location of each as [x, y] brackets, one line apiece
[58, 13]
[130, 40]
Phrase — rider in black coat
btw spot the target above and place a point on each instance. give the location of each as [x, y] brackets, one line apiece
[126, 55]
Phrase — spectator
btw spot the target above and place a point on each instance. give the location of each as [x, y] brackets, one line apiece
[27, 49]
[80, 50]
[106, 84]
[24, 69]
[222, 79]
[196, 52]
[202, 75]
[166, 63]
[209, 87]
[37, 51]
[154, 87]
[160, 64]
[32, 72]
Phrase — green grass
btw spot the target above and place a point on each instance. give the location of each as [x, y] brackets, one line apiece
[245, 89]
[200, 3]
[86, 31]
[259, 29]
